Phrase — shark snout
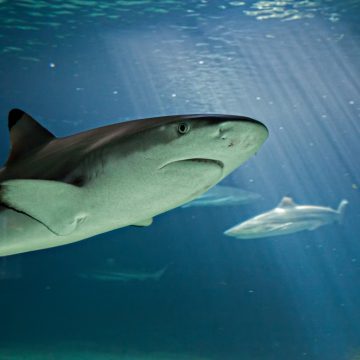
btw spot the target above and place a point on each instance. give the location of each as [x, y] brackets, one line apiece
[237, 139]
[225, 133]
[241, 131]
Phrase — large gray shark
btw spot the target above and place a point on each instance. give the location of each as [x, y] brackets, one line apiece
[288, 217]
[55, 191]
[221, 195]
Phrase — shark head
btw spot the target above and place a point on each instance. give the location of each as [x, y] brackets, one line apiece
[191, 153]
[223, 141]
[248, 230]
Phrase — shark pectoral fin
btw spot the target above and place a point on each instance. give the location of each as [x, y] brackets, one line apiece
[54, 204]
[146, 222]
[315, 226]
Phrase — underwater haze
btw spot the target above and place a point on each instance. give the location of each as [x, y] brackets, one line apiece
[180, 289]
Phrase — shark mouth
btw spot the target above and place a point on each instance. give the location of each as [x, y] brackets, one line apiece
[196, 160]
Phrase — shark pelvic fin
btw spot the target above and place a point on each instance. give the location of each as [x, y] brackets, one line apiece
[286, 202]
[52, 203]
[315, 225]
[26, 134]
[146, 222]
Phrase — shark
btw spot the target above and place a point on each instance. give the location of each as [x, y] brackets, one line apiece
[56, 191]
[123, 276]
[288, 217]
[222, 195]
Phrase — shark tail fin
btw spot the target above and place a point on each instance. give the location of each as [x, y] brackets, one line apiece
[341, 210]
[161, 272]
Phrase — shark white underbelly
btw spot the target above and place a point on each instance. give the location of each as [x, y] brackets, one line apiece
[102, 211]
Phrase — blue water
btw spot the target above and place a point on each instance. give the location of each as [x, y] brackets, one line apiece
[294, 65]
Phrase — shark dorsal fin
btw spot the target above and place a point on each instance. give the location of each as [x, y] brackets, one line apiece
[286, 202]
[26, 134]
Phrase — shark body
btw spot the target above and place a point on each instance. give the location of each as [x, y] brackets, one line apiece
[55, 191]
[288, 217]
[222, 195]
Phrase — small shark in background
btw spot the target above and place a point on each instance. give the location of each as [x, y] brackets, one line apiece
[55, 191]
[123, 276]
[288, 217]
[221, 195]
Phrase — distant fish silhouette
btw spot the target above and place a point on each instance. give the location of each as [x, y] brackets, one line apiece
[288, 217]
[123, 276]
[221, 195]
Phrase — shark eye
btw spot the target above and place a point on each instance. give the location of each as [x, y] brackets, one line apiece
[183, 128]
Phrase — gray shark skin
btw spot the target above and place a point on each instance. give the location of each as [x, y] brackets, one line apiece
[123, 276]
[288, 217]
[56, 191]
[221, 195]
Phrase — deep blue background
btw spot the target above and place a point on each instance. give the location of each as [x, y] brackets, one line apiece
[290, 297]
